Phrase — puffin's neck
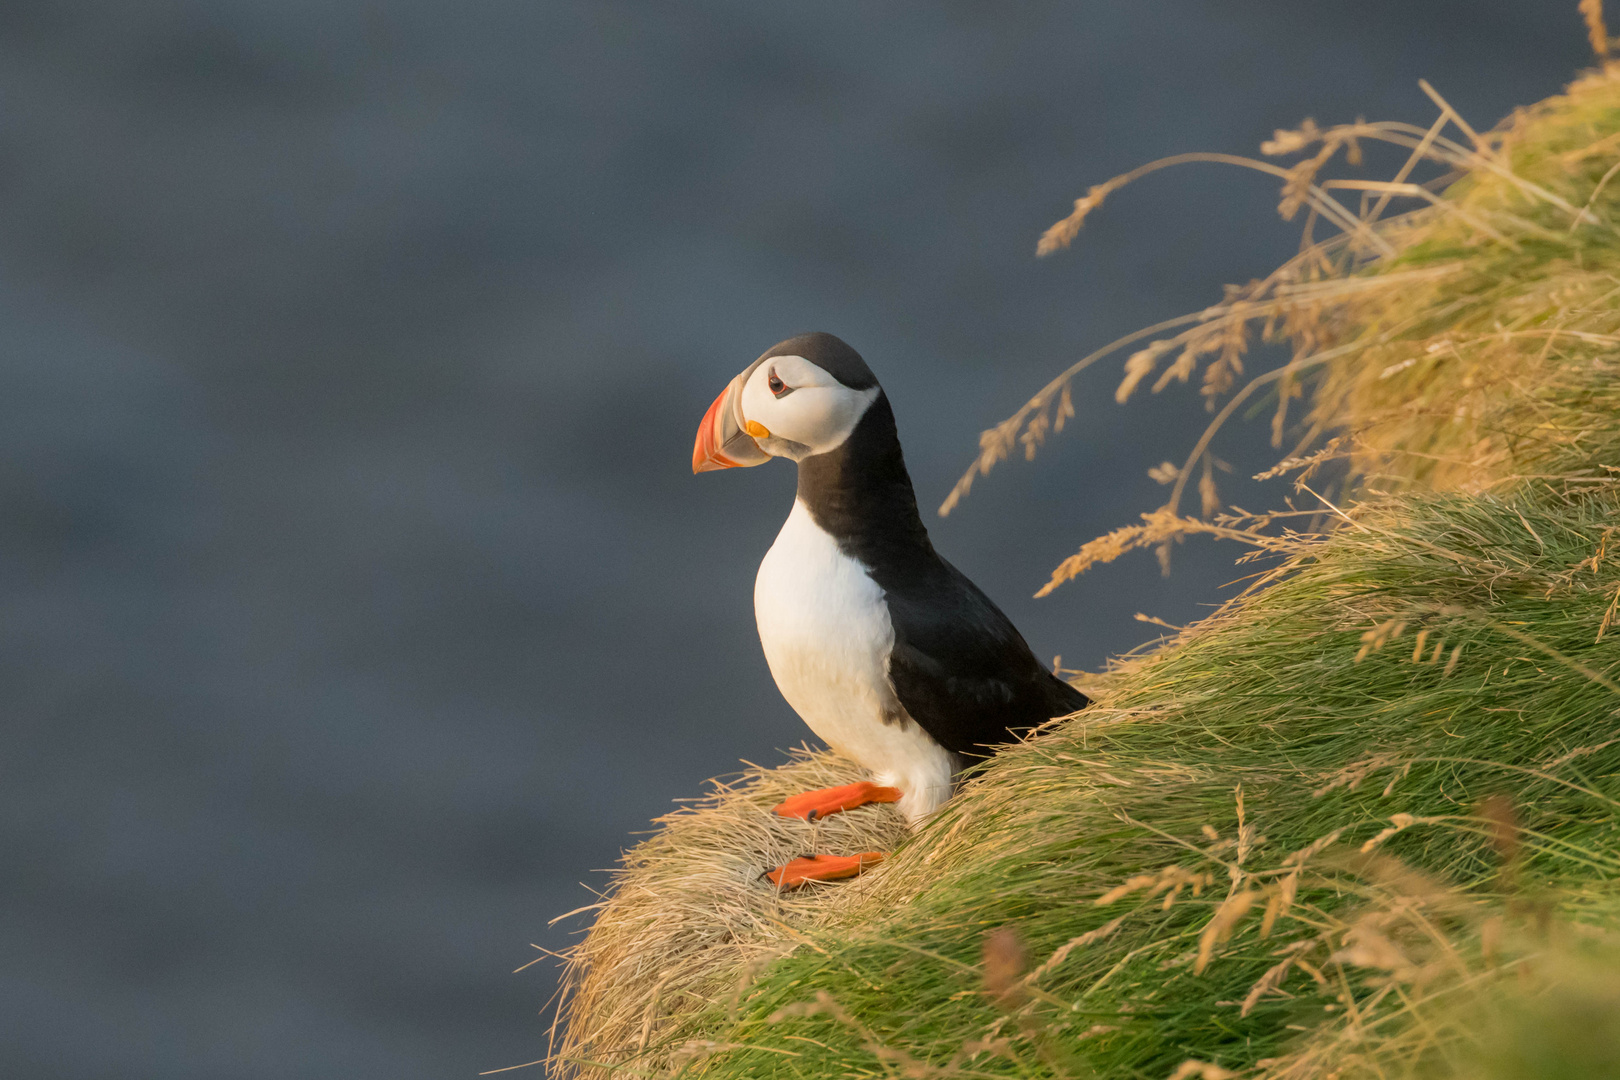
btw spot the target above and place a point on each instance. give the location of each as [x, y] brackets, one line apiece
[861, 495]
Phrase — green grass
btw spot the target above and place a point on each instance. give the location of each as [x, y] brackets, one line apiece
[1357, 822]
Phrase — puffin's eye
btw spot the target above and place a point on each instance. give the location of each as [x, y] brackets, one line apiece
[777, 386]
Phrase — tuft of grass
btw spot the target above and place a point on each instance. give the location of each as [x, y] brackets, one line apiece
[689, 919]
[1342, 827]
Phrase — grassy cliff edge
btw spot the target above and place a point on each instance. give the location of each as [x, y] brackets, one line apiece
[1294, 840]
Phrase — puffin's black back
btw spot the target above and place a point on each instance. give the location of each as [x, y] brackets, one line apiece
[958, 665]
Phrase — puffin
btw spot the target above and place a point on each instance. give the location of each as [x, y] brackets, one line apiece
[888, 653]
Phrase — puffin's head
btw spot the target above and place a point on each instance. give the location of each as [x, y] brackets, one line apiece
[803, 397]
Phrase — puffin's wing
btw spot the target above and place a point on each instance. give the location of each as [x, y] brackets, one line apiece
[962, 671]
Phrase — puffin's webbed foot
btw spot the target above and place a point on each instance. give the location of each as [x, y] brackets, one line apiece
[821, 868]
[815, 805]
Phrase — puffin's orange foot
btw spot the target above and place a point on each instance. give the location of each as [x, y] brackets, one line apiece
[813, 805]
[821, 868]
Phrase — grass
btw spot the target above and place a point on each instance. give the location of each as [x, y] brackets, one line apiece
[1361, 821]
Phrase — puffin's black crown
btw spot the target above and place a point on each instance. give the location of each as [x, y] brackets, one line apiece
[830, 355]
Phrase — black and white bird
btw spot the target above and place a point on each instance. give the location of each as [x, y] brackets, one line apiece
[888, 652]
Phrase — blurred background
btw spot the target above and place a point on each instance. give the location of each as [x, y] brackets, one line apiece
[357, 601]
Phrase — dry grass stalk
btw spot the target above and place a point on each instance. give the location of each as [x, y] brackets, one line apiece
[1170, 881]
[1579, 752]
[1158, 528]
[1221, 925]
[1272, 980]
[1201, 1070]
[1279, 900]
[1608, 616]
[1596, 31]
[1079, 941]
[1005, 960]
[1313, 295]
[1401, 822]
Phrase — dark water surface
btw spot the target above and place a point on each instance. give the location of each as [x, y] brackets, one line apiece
[356, 598]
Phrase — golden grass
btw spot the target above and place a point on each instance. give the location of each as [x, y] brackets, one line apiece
[689, 916]
[1596, 32]
[1428, 399]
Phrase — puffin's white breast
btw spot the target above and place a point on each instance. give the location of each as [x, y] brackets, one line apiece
[827, 636]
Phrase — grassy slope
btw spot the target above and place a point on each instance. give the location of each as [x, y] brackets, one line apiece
[1186, 867]
[1271, 699]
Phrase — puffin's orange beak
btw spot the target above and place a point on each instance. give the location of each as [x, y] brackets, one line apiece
[723, 441]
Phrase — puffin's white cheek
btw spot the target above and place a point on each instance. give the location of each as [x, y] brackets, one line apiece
[819, 421]
[791, 417]
[826, 417]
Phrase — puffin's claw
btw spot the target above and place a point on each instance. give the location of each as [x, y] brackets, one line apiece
[821, 868]
[814, 805]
